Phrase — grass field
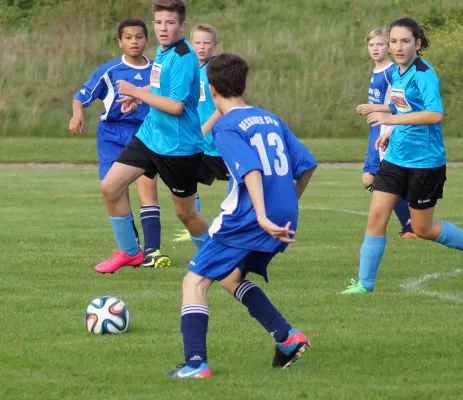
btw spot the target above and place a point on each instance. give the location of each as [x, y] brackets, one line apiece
[393, 344]
[82, 150]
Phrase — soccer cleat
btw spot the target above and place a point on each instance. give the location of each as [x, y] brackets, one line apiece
[355, 287]
[156, 260]
[406, 234]
[182, 236]
[118, 260]
[185, 371]
[289, 351]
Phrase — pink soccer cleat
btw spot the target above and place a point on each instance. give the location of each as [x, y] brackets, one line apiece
[118, 260]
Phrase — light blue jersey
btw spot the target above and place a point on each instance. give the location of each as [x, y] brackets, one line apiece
[102, 85]
[175, 74]
[416, 146]
[206, 108]
[253, 139]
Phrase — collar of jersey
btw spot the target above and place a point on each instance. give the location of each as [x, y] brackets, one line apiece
[240, 108]
[377, 71]
[409, 67]
[207, 62]
[173, 44]
[147, 65]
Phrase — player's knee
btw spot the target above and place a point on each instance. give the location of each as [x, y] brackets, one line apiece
[185, 214]
[195, 287]
[109, 191]
[377, 222]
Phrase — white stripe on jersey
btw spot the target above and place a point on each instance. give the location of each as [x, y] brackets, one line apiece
[99, 80]
[228, 206]
[108, 100]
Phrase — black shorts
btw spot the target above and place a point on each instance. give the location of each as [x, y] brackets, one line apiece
[178, 172]
[422, 187]
[212, 168]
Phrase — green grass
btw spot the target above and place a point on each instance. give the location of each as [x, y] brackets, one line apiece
[308, 58]
[82, 150]
[393, 344]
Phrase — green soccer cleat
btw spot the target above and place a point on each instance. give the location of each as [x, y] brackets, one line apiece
[182, 236]
[355, 287]
[156, 260]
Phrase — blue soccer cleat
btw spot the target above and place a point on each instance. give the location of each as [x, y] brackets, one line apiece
[289, 351]
[185, 371]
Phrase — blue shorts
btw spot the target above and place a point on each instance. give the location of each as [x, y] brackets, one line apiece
[372, 162]
[216, 261]
[112, 137]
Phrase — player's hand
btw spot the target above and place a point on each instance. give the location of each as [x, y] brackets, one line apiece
[129, 104]
[278, 232]
[379, 118]
[383, 141]
[125, 88]
[363, 109]
[76, 124]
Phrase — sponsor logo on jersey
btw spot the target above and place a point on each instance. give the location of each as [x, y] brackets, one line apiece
[138, 77]
[155, 77]
[202, 92]
[400, 101]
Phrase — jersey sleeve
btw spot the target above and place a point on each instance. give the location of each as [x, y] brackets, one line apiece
[236, 152]
[429, 86]
[94, 88]
[301, 157]
[181, 75]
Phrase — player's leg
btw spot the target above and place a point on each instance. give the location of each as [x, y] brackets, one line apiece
[289, 342]
[390, 184]
[180, 173]
[425, 188]
[133, 162]
[150, 217]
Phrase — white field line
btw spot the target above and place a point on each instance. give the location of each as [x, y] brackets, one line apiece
[414, 285]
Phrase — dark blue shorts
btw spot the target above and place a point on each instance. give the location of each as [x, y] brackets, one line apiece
[216, 261]
[112, 137]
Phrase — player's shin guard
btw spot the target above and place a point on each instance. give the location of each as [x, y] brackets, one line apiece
[150, 217]
[194, 321]
[261, 308]
[451, 236]
[371, 254]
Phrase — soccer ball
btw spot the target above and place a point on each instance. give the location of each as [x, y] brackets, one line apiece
[106, 315]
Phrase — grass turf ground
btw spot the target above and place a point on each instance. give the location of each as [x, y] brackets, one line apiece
[395, 343]
[82, 150]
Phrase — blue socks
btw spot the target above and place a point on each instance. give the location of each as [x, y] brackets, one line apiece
[199, 240]
[125, 236]
[371, 253]
[451, 236]
[150, 217]
[193, 324]
[403, 214]
[260, 308]
[198, 204]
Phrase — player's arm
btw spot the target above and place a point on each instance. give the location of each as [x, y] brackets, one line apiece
[413, 118]
[253, 182]
[94, 88]
[303, 181]
[363, 109]
[207, 126]
[143, 94]
[77, 123]
[302, 160]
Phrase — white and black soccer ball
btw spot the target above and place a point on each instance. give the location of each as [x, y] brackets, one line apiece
[107, 315]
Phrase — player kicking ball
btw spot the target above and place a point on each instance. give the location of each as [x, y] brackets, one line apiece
[270, 169]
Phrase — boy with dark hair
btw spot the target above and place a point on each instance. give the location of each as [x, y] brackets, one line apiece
[116, 129]
[258, 218]
[168, 143]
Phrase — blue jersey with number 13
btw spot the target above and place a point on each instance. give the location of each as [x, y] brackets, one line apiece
[249, 139]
